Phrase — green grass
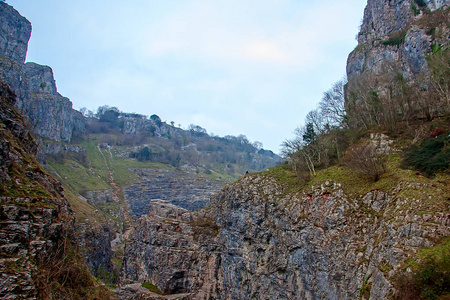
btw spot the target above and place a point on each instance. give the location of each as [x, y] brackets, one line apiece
[285, 177]
[152, 288]
[430, 277]
[78, 177]
[83, 210]
[431, 192]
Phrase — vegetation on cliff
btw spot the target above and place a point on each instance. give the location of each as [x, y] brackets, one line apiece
[38, 256]
[386, 132]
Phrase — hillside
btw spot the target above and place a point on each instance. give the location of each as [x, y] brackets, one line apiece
[37, 251]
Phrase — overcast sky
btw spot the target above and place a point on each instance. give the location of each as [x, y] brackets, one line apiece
[230, 66]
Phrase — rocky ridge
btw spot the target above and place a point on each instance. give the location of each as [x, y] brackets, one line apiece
[399, 35]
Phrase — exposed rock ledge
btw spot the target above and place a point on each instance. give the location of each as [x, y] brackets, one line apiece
[319, 244]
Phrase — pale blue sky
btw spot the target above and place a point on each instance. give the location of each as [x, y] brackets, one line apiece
[231, 66]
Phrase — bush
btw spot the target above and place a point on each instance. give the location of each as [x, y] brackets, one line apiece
[431, 275]
[151, 288]
[421, 3]
[431, 156]
[396, 39]
[367, 160]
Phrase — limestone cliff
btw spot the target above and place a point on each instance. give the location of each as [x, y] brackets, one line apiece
[263, 240]
[49, 114]
[15, 32]
[36, 222]
[175, 250]
[399, 35]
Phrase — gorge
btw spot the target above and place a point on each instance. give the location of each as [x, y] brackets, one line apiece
[158, 212]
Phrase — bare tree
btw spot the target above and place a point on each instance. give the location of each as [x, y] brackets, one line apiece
[332, 104]
[367, 160]
[305, 152]
[439, 64]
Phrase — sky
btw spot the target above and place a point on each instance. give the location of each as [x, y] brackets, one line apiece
[253, 67]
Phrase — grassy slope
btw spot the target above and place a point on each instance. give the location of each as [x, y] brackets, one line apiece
[404, 183]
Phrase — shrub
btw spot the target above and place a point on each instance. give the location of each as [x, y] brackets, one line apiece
[396, 39]
[151, 288]
[430, 278]
[431, 156]
[421, 3]
[367, 160]
[415, 9]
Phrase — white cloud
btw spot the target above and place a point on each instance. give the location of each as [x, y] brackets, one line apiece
[266, 51]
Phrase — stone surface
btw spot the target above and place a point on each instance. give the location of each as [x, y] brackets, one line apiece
[189, 192]
[51, 116]
[48, 113]
[270, 244]
[95, 245]
[385, 21]
[15, 31]
[31, 227]
[174, 251]
[40, 78]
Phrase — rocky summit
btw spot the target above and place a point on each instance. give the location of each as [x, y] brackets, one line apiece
[399, 35]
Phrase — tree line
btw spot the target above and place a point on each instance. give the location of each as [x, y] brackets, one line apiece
[386, 102]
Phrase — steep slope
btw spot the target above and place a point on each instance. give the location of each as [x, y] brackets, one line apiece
[399, 70]
[37, 251]
[399, 35]
[49, 114]
[336, 235]
[107, 163]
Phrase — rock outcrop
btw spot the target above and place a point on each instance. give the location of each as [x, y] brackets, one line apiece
[398, 35]
[15, 32]
[318, 245]
[49, 114]
[174, 250]
[188, 192]
[265, 242]
[34, 215]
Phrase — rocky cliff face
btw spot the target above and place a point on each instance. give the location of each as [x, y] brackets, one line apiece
[34, 216]
[175, 250]
[191, 193]
[274, 244]
[49, 114]
[318, 245]
[399, 35]
[15, 32]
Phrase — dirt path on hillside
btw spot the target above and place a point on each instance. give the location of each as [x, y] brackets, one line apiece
[118, 194]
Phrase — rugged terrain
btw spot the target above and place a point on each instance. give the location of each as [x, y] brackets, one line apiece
[37, 223]
[399, 35]
[113, 163]
[269, 237]
[154, 216]
[336, 235]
